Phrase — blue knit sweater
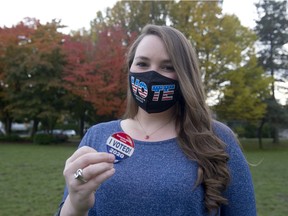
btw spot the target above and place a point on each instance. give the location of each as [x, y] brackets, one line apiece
[158, 179]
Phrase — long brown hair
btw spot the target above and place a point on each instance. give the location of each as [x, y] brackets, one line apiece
[195, 133]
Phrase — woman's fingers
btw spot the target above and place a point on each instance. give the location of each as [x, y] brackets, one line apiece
[94, 170]
[99, 177]
[92, 158]
[84, 157]
[81, 151]
[96, 166]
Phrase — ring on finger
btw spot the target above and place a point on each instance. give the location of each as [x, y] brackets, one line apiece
[79, 176]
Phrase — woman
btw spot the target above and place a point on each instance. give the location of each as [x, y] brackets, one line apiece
[184, 162]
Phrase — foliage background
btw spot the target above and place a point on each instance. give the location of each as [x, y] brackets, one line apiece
[49, 78]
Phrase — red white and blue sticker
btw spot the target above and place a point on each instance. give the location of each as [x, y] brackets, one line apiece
[121, 145]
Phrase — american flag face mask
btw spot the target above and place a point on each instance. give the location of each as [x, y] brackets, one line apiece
[153, 92]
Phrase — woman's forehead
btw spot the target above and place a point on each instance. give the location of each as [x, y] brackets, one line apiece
[151, 46]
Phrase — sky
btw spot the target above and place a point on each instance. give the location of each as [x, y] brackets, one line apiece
[78, 14]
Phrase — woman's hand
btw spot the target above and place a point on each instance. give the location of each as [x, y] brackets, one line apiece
[97, 167]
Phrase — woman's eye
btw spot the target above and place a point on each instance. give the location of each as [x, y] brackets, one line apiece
[141, 64]
[168, 68]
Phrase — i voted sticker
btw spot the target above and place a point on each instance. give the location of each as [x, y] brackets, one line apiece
[121, 145]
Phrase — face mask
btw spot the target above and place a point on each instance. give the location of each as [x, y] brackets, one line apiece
[153, 92]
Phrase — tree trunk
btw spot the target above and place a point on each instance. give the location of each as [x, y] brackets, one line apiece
[275, 135]
[81, 126]
[35, 127]
[260, 129]
[8, 125]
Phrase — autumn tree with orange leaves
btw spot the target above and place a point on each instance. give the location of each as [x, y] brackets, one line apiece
[96, 71]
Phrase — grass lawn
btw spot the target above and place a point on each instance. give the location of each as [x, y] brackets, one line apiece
[31, 181]
[269, 168]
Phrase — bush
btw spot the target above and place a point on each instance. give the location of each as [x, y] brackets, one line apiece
[46, 138]
[10, 138]
[58, 138]
[43, 139]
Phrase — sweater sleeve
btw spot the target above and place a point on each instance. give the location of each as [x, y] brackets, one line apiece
[240, 191]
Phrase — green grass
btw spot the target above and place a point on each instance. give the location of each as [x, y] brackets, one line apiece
[270, 179]
[31, 181]
[269, 168]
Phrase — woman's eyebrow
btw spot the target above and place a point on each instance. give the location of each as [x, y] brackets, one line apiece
[144, 58]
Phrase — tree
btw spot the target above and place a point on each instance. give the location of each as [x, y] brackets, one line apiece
[276, 116]
[32, 67]
[96, 72]
[79, 110]
[227, 59]
[11, 57]
[272, 30]
[132, 16]
[244, 95]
